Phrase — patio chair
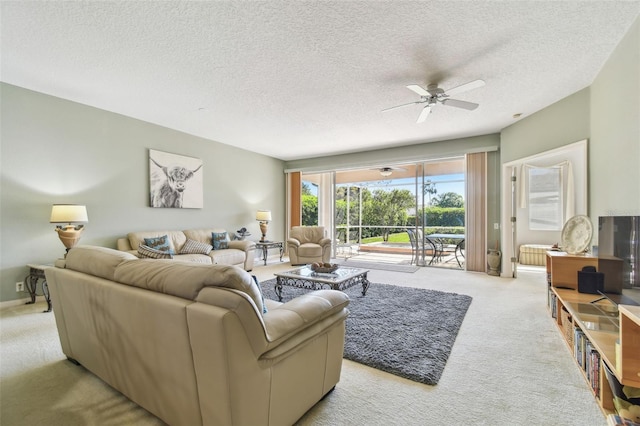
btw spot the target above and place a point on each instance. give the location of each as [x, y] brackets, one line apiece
[414, 245]
[435, 246]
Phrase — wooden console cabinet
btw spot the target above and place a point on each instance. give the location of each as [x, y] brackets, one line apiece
[562, 270]
[598, 333]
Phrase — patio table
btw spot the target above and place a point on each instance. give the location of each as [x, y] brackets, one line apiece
[435, 239]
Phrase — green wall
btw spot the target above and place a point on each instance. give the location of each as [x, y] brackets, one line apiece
[614, 154]
[57, 151]
[607, 114]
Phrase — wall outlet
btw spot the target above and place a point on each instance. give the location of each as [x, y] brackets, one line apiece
[19, 286]
[496, 226]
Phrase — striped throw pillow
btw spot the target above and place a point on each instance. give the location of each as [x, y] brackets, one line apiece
[195, 247]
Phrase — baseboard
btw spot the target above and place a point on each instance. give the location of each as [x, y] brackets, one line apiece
[18, 302]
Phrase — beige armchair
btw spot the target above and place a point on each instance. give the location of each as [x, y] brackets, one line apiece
[307, 244]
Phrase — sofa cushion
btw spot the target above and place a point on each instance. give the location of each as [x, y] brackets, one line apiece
[307, 234]
[203, 235]
[227, 257]
[98, 261]
[196, 258]
[150, 252]
[309, 250]
[195, 247]
[184, 279]
[220, 240]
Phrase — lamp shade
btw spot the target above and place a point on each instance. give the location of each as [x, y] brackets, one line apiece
[68, 213]
[263, 215]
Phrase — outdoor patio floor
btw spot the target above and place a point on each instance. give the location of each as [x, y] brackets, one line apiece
[393, 254]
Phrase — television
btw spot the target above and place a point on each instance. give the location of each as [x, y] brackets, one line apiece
[619, 237]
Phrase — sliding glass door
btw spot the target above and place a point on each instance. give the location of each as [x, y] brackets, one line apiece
[434, 213]
[403, 213]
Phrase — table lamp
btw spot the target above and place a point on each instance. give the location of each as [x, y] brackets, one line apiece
[69, 213]
[263, 216]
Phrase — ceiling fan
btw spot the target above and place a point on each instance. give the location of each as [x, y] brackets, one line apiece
[387, 171]
[433, 94]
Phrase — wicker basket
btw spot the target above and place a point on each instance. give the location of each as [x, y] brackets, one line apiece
[567, 326]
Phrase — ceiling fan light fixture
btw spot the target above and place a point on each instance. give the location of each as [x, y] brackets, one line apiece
[433, 95]
[386, 172]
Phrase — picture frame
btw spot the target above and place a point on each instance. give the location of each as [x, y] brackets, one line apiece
[175, 181]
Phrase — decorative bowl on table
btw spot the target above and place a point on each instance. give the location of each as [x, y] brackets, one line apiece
[323, 268]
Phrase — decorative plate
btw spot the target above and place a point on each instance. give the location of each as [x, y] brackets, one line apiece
[576, 234]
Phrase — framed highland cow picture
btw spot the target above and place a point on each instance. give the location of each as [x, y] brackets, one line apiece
[175, 181]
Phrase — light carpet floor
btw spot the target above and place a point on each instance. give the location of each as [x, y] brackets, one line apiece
[509, 366]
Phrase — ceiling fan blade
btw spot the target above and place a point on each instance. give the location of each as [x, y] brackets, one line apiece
[400, 106]
[419, 90]
[465, 87]
[460, 104]
[424, 114]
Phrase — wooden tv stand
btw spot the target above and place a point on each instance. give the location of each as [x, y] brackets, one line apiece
[562, 270]
[599, 325]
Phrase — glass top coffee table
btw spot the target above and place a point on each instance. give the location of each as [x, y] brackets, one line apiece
[340, 279]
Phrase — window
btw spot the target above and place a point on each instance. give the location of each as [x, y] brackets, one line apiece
[545, 199]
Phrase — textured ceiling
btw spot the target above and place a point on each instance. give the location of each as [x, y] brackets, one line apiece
[305, 79]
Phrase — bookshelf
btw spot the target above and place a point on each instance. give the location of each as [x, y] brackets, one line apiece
[591, 331]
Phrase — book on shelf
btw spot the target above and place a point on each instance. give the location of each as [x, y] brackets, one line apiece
[579, 347]
[553, 305]
[616, 420]
[592, 367]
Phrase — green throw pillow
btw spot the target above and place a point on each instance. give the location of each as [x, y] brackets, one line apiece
[220, 240]
[159, 243]
[264, 307]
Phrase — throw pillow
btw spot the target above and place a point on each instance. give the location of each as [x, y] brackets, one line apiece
[195, 247]
[220, 240]
[150, 252]
[264, 307]
[159, 243]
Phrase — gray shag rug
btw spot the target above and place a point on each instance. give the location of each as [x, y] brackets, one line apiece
[404, 331]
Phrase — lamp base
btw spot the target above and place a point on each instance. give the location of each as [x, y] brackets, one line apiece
[263, 230]
[70, 235]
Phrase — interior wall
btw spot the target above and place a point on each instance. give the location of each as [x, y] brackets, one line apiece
[57, 151]
[607, 114]
[614, 151]
[410, 154]
[559, 124]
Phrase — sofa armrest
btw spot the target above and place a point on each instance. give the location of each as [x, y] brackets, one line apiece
[293, 242]
[124, 245]
[244, 245]
[249, 248]
[284, 326]
[302, 312]
[325, 242]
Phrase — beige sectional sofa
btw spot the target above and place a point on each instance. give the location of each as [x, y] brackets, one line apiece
[239, 253]
[190, 342]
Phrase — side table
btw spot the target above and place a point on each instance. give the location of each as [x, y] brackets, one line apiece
[266, 245]
[36, 273]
